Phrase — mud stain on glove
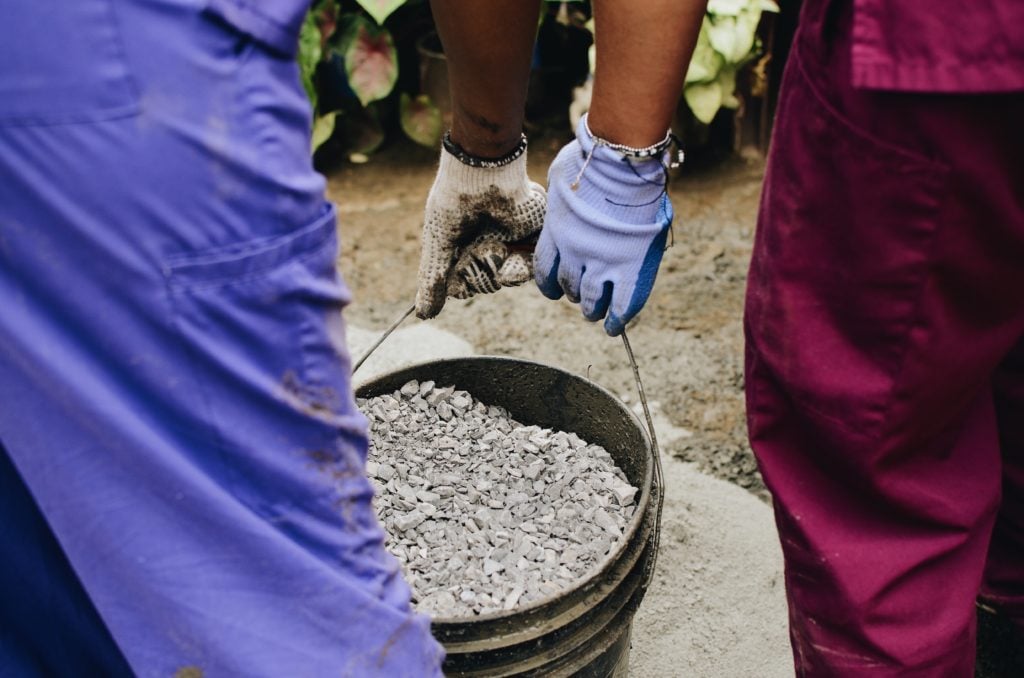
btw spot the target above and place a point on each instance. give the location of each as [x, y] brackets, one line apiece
[490, 213]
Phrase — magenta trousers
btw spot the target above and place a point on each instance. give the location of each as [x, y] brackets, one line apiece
[885, 363]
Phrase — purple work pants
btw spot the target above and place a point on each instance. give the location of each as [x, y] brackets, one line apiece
[885, 363]
[182, 464]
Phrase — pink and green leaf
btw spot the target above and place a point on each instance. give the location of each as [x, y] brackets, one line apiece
[421, 120]
[371, 62]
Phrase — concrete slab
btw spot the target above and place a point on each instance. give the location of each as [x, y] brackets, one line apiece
[414, 342]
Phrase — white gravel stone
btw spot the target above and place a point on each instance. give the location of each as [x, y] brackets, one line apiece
[484, 513]
[409, 520]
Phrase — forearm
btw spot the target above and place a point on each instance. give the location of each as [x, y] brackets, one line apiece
[643, 51]
[488, 46]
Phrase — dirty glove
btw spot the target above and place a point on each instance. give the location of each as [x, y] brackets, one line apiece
[489, 263]
[602, 242]
[481, 219]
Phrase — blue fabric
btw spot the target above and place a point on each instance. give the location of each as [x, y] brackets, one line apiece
[602, 242]
[173, 374]
[275, 23]
[646, 275]
[48, 626]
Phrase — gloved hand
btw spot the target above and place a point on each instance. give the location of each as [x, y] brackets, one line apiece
[602, 242]
[489, 263]
[478, 230]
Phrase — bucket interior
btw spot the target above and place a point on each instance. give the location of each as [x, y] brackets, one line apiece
[536, 394]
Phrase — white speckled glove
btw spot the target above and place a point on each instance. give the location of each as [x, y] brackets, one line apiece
[482, 217]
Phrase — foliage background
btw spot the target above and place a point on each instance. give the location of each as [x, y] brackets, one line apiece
[353, 55]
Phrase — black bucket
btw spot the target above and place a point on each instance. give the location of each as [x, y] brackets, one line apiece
[583, 630]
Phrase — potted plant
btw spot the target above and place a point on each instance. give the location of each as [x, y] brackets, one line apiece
[727, 42]
[726, 46]
[349, 58]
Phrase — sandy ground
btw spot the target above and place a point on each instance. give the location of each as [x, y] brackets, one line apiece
[717, 607]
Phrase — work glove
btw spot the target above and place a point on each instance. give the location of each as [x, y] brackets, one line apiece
[482, 218]
[604, 234]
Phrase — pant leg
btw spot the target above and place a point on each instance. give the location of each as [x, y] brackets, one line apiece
[48, 625]
[883, 293]
[172, 367]
[1004, 571]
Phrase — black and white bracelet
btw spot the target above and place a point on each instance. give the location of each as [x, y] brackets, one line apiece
[467, 158]
[653, 152]
[656, 150]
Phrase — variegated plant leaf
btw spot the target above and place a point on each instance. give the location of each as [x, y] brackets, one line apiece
[421, 120]
[371, 62]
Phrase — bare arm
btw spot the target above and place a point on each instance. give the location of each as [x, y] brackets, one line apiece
[489, 46]
[643, 51]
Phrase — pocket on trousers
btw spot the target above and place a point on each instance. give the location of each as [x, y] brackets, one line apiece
[62, 64]
[261, 324]
[275, 303]
[842, 255]
[274, 417]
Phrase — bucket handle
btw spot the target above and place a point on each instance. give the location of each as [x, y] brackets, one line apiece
[659, 476]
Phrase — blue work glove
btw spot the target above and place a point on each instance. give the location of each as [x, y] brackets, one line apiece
[601, 244]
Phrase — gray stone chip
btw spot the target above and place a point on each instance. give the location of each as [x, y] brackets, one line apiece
[486, 514]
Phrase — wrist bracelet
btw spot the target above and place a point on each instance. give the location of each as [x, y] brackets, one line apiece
[467, 158]
[652, 151]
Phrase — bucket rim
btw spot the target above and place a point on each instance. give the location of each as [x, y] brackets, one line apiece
[636, 523]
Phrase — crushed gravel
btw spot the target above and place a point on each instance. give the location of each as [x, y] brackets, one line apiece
[483, 512]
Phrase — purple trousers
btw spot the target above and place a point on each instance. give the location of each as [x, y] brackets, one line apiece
[182, 486]
[885, 363]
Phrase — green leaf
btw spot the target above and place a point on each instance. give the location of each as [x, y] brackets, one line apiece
[380, 9]
[746, 30]
[735, 35]
[735, 7]
[371, 62]
[728, 7]
[421, 120]
[727, 81]
[732, 27]
[725, 38]
[706, 62]
[704, 99]
[323, 128]
[309, 55]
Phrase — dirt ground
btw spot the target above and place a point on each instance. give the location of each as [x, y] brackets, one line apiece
[689, 344]
[716, 606]
[688, 339]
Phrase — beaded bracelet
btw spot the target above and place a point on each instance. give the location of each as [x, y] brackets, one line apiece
[652, 151]
[487, 163]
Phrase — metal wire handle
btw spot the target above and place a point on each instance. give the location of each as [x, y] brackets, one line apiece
[380, 340]
[659, 476]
